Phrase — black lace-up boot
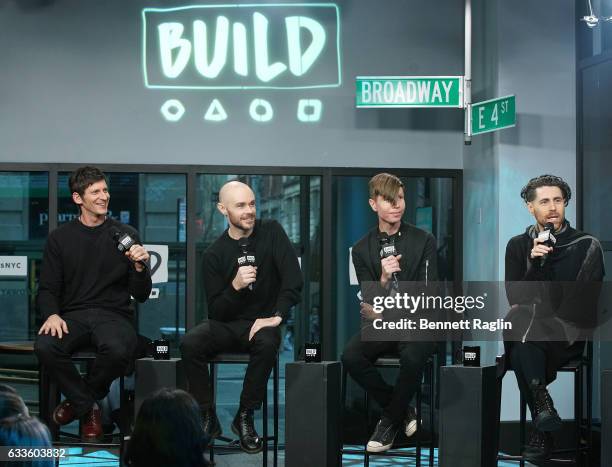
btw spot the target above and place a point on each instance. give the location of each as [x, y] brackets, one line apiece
[545, 417]
[210, 423]
[244, 426]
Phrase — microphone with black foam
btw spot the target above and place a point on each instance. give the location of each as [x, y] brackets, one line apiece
[547, 238]
[247, 259]
[387, 248]
[124, 242]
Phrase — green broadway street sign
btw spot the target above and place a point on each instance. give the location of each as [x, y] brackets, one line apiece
[493, 115]
[409, 91]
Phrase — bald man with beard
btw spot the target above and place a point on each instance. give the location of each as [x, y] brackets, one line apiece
[246, 305]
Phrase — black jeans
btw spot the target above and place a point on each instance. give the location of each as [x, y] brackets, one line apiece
[212, 337]
[359, 357]
[114, 338]
[531, 361]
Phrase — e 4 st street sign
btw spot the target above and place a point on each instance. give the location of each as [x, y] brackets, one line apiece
[492, 115]
[435, 92]
[409, 91]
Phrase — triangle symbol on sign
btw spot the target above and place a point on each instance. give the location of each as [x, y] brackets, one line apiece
[215, 112]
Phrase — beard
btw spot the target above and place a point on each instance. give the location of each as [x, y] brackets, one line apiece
[242, 222]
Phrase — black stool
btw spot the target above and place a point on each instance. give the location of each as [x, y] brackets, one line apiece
[244, 358]
[49, 398]
[428, 375]
[582, 369]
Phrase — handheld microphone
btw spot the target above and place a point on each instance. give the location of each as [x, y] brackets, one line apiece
[124, 242]
[247, 259]
[387, 248]
[548, 237]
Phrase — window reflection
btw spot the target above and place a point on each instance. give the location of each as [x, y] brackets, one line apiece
[24, 217]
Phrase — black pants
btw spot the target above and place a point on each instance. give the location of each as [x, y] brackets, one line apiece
[359, 357]
[114, 338]
[212, 337]
[533, 361]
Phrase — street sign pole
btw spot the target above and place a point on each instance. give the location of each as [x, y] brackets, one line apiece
[467, 93]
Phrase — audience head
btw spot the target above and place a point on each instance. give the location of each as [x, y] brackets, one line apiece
[11, 403]
[168, 431]
[17, 428]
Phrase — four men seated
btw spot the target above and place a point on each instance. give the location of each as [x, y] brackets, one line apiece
[252, 278]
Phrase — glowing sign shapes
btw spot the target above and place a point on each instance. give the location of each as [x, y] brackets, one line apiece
[260, 110]
[314, 107]
[172, 110]
[300, 63]
[265, 72]
[215, 112]
[170, 38]
[267, 114]
[272, 46]
[200, 47]
[241, 65]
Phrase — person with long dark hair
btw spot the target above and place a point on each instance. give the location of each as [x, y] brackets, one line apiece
[19, 429]
[167, 432]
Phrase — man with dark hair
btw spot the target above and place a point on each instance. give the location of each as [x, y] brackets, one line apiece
[528, 193]
[415, 260]
[552, 287]
[246, 304]
[84, 296]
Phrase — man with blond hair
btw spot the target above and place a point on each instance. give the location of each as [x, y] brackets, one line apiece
[246, 304]
[414, 260]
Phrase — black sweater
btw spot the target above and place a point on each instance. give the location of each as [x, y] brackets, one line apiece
[569, 282]
[279, 279]
[82, 269]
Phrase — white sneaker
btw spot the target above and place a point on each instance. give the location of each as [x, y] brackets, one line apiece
[410, 422]
[383, 436]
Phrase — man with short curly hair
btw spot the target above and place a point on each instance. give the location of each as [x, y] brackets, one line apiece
[553, 279]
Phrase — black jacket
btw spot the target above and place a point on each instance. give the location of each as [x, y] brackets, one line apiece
[418, 262]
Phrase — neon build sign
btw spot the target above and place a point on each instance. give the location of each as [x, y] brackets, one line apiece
[242, 47]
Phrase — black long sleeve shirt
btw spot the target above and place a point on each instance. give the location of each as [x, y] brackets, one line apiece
[83, 269]
[279, 278]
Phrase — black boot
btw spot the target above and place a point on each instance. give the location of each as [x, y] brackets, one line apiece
[244, 426]
[546, 417]
[210, 424]
[539, 446]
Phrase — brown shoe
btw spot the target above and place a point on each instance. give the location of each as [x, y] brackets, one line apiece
[91, 426]
[64, 413]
